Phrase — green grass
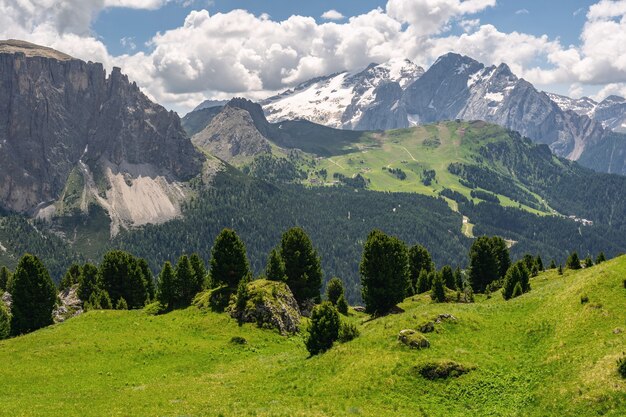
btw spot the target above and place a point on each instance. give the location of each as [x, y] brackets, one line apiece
[542, 354]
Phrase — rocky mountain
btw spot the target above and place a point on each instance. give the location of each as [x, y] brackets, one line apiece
[360, 100]
[457, 87]
[71, 136]
[610, 112]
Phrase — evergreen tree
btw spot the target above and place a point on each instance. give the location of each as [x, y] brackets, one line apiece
[71, 277]
[121, 276]
[384, 272]
[342, 305]
[104, 300]
[560, 271]
[229, 263]
[517, 291]
[148, 278]
[166, 290]
[458, 279]
[419, 260]
[601, 258]
[573, 261]
[588, 262]
[484, 266]
[88, 281]
[186, 285]
[242, 296]
[438, 292]
[121, 304]
[275, 269]
[34, 296]
[5, 277]
[302, 265]
[552, 264]
[334, 290]
[501, 253]
[423, 282]
[517, 275]
[448, 277]
[324, 328]
[539, 263]
[199, 270]
[5, 322]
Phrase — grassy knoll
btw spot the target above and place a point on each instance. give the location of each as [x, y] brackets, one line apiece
[543, 354]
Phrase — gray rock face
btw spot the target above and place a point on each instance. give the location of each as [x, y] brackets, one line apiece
[238, 130]
[610, 112]
[56, 112]
[70, 305]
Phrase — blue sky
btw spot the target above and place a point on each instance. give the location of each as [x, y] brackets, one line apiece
[181, 52]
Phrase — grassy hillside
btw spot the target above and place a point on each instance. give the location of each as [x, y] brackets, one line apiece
[543, 354]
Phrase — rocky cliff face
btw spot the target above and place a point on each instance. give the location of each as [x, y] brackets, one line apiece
[59, 114]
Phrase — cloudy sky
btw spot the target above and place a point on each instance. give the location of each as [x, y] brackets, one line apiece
[183, 51]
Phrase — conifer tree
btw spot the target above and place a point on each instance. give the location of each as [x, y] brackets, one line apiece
[588, 262]
[34, 296]
[484, 265]
[229, 263]
[302, 265]
[275, 269]
[517, 291]
[419, 260]
[148, 278]
[324, 328]
[121, 304]
[448, 276]
[199, 271]
[334, 290]
[5, 277]
[573, 261]
[458, 279]
[342, 305]
[423, 282]
[539, 263]
[384, 272]
[560, 271]
[122, 276]
[601, 258]
[5, 322]
[185, 283]
[71, 277]
[88, 282]
[438, 292]
[501, 252]
[166, 290]
[552, 264]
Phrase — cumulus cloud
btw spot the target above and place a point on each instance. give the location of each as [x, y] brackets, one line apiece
[237, 53]
[332, 14]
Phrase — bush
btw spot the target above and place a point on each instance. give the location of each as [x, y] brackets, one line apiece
[621, 366]
[238, 340]
[154, 309]
[584, 299]
[334, 290]
[348, 332]
[324, 330]
[5, 322]
[441, 370]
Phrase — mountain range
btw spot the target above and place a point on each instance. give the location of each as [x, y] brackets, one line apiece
[390, 96]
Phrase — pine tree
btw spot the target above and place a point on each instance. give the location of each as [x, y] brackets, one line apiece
[539, 263]
[71, 277]
[148, 278]
[458, 279]
[573, 261]
[448, 276]
[484, 265]
[517, 275]
[121, 304]
[186, 283]
[5, 322]
[229, 263]
[552, 264]
[302, 265]
[517, 291]
[324, 328]
[342, 305]
[423, 282]
[104, 300]
[34, 296]
[199, 270]
[88, 281]
[334, 290]
[501, 253]
[5, 277]
[419, 260]
[384, 272]
[275, 269]
[588, 262]
[560, 271]
[601, 258]
[438, 292]
[122, 276]
[166, 290]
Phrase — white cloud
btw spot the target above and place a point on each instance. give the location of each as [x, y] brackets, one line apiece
[332, 14]
[617, 89]
[522, 11]
[238, 53]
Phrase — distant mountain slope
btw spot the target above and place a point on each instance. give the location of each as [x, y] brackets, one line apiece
[71, 136]
[348, 100]
[458, 87]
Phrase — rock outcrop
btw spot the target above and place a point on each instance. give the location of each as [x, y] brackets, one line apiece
[70, 305]
[269, 304]
[59, 114]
